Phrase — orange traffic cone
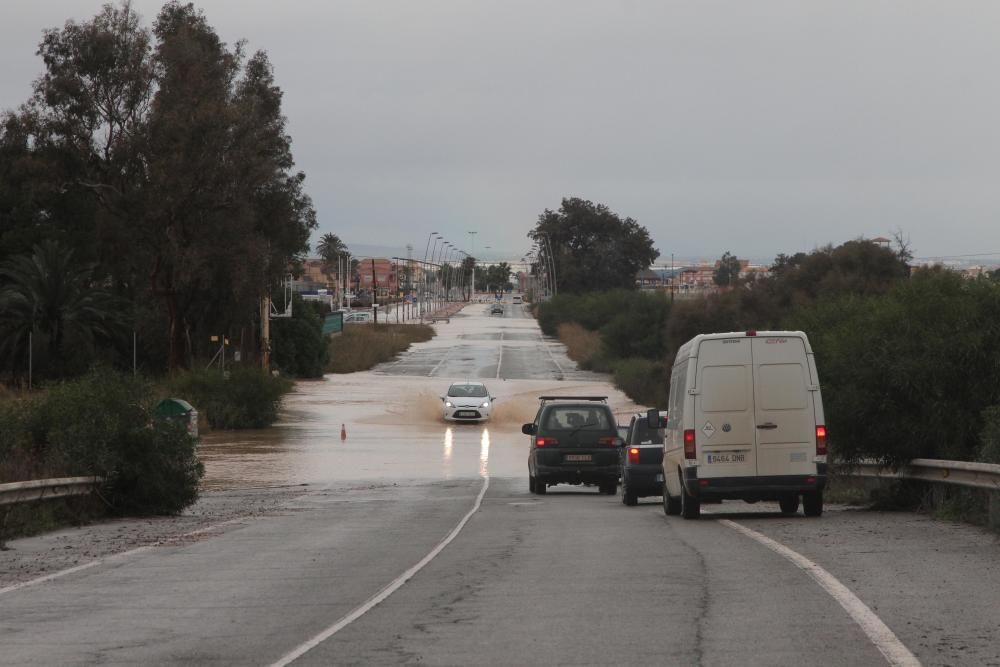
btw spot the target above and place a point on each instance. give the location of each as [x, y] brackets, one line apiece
[343, 432]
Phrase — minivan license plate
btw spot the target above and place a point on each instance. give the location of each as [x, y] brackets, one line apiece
[726, 458]
[577, 457]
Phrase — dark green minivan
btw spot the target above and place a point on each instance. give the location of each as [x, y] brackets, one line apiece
[574, 440]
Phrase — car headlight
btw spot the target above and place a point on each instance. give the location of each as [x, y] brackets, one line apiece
[448, 404]
[485, 404]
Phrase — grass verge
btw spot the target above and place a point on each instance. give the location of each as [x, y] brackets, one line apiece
[363, 346]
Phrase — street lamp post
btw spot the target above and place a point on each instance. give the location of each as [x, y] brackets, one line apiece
[423, 289]
[472, 245]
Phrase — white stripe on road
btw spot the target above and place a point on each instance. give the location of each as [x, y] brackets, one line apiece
[878, 632]
[395, 585]
[112, 558]
[500, 358]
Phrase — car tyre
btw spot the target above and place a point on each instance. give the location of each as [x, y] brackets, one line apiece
[531, 483]
[812, 503]
[789, 504]
[628, 497]
[690, 506]
[671, 504]
[539, 487]
[610, 488]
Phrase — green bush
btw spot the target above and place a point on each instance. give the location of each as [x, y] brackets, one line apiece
[989, 436]
[645, 382]
[248, 398]
[908, 374]
[103, 424]
[298, 346]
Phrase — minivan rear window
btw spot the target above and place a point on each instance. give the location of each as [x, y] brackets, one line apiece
[573, 417]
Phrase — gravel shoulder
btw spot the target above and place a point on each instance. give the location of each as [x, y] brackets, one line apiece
[213, 513]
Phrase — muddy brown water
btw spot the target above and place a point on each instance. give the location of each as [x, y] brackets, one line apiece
[393, 423]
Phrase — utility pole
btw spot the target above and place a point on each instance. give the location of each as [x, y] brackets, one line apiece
[374, 294]
[472, 243]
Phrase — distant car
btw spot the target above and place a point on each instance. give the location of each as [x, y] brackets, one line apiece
[574, 440]
[496, 309]
[467, 402]
[642, 457]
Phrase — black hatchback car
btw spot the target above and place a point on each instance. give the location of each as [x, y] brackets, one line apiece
[642, 457]
[574, 440]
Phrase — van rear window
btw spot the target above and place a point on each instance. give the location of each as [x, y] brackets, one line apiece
[724, 388]
[782, 387]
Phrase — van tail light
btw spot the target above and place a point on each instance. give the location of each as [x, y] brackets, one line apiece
[820, 440]
[546, 442]
[612, 441]
[689, 450]
[633, 455]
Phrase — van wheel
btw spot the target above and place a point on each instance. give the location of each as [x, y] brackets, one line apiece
[789, 504]
[531, 483]
[690, 506]
[539, 487]
[812, 503]
[671, 505]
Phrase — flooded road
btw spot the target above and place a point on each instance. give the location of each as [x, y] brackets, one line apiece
[391, 416]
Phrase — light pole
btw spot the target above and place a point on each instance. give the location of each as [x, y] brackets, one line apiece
[485, 248]
[423, 290]
[472, 245]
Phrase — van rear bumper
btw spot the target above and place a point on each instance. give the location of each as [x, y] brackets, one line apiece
[753, 488]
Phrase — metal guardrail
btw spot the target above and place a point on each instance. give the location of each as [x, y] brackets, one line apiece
[982, 476]
[42, 489]
[959, 473]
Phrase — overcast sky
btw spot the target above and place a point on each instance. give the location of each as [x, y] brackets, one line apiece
[755, 127]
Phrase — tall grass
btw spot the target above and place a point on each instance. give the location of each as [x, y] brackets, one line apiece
[247, 398]
[363, 346]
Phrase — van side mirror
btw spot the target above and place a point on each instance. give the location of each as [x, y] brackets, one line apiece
[528, 429]
[653, 419]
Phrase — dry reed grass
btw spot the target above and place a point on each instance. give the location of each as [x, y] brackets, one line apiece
[363, 346]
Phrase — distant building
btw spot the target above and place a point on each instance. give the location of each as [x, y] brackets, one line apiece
[378, 272]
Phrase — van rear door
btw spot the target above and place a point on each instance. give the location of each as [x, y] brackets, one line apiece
[785, 420]
[723, 407]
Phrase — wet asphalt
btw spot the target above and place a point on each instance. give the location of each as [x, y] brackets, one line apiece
[569, 578]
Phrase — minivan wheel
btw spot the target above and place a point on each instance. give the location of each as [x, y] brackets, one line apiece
[539, 487]
[531, 483]
[611, 488]
[789, 504]
[812, 503]
[671, 505]
[690, 506]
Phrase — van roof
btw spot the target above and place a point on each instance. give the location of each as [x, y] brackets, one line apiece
[690, 348]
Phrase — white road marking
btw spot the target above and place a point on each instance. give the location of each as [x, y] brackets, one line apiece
[112, 558]
[878, 632]
[381, 596]
[443, 359]
[553, 357]
[500, 358]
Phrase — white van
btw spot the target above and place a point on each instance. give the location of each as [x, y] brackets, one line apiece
[745, 422]
[516, 298]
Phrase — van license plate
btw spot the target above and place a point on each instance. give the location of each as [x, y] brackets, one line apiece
[577, 457]
[726, 458]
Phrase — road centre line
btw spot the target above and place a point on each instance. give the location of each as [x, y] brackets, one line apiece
[382, 595]
[878, 632]
[500, 358]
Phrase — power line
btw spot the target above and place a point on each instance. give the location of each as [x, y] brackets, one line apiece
[974, 254]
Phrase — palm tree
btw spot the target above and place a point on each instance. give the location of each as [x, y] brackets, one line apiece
[329, 247]
[47, 296]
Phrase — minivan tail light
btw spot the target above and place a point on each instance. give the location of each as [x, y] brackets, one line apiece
[610, 440]
[689, 449]
[633, 455]
[820, 440]
[546, 442]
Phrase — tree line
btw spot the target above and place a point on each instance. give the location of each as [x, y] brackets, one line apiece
[148, 186]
